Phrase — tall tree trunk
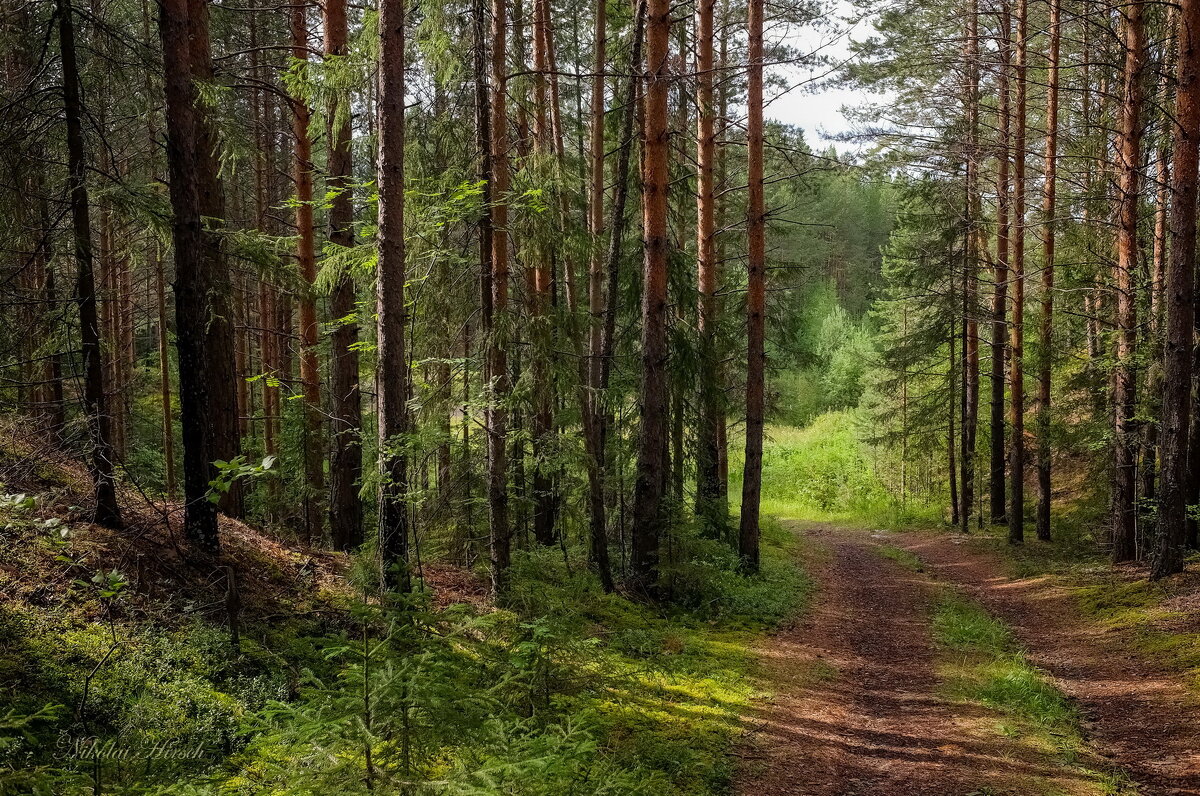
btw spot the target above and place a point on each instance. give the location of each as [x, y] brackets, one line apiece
[1180, 292]
[104, 487]
[756, 227]
[539, 291]
[618, 223]
[970, 376]
[952, 467]
[497, 361]
[1124, 514]
[392, 379]
[483, 146]
[219, 337]
[649, 516]
[345, 464]
[998, 505]
[711, 506]
[192, 277]
[592, 403]
[1046, 341]
[1016, 519]
[306, 261]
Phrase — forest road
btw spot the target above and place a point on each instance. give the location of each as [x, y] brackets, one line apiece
[858, 709]
[1139, 716]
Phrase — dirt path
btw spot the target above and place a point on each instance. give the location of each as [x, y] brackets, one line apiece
[1142, 718]
[857, 710]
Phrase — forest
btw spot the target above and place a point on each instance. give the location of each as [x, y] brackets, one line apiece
[544, 397]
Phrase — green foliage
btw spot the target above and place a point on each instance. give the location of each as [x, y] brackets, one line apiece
[569, 690]
[822, 471]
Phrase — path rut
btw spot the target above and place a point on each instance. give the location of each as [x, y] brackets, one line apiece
[858, 710]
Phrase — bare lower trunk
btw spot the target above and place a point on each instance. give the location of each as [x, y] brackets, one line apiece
[1124, 519]
[1016, 518]
[100, 460]
[756, 224]
[345, 463]
[649, 516]
[497, 361]
[306, 262]
[997, 479]
[1170, 541]
[1046, 341]
[392, 377]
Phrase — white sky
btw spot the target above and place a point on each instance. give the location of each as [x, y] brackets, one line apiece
[818, 111]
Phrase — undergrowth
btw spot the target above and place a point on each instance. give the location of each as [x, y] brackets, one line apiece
[826, 472]
[566, 690]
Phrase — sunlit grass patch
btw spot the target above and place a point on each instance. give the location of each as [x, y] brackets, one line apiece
[983, 664]
[903, 557]
[988, 667]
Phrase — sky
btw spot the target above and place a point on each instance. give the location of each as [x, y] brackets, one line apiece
[818, 112]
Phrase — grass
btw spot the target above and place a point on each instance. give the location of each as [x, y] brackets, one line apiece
[902, 557]
[824, 472]
[991, 669]
[567, 690]
[1122, 601]
[983, 664]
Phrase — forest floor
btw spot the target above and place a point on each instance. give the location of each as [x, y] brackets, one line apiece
[900, 681]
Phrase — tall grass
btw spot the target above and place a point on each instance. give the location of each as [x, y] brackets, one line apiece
[826, 472]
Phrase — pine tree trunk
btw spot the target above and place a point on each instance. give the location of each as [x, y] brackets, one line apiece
[192, 277]
[219, 339]
[1180, 291]
[345, 463]
[164, 377]
[649, 516]
[539, 296]
[1016, 518]
[711, 506]
[970, 376]
[1046, 341]
[392, 378]
[497, 361]
[996, 479]
[755, 298]
[306, 262]
[1124, 513]
[104, 488]
[592, 403]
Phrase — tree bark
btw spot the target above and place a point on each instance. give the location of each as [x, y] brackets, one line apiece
[1046, 341]
[392, 379]
[104, 488]
[192, 278]
[219, 338]
[345, 463]
[996, 481]
[498, 385]
[970, 376]
[1170, 540]
[1124, 513]
[649, 516]
[306, 261]
[711, 506]
[1016, 518]
[755, 298]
